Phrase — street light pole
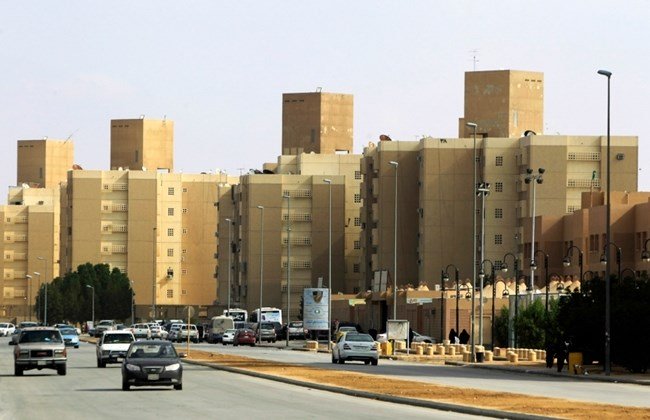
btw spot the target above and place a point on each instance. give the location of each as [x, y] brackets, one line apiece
[535, 179]
[443, 279]
[504, 268]
[288, 197]
[534, 267]
[259, 314]
[608, 74]
[29, 295]
[229, 259]
[132, 303]
[93, 303]
[473, 355]
[38, 309]
[604, 259]
[481, 276]
[482, 191]
[567, 258]
[396, 166]
[446, 277]
[153, 280]
[329, 270]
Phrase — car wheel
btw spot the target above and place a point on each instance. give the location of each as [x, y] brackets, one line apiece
[178, 387]
[125, 385]
[101, 363]
[61, 370]
[374, 362]
[366, 362]
[77, 346]
[252, 344]
[18, 370]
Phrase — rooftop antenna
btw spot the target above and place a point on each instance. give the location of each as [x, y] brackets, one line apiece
[240, 170]
[319, 89]
[70, 136]
[474, 59]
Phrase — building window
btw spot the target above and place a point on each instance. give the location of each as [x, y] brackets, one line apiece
[498, 239]
[170, 232]
[357, 221]
[170, 252]
[499, 161]
[170, 191]
[184, 211]
[137, 155]
[357, 174]
[357, 198]
[357, 244]
[355, 268]
[170, 211]
[184, 271]
[170, 293]
[185, 190]
[498, 265]
[498, 186]
[184, 251]
[184, 231]
[498, 213]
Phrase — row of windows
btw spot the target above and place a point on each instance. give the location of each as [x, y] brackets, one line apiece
[171, 190]
[170, 231]
[170, 211]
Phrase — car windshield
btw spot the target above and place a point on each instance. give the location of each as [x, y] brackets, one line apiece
[4, 325]
[295, 325]
[268, 327]
[152, 351]
[105, 323]
[40, 337]
[358, 337]
[68, 331]
[347, 329]
[230, 331]
[117, 338]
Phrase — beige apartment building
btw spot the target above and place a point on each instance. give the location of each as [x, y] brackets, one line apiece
[29, 248]
[317, 122]
[43, 163]
[295, 194]
[142, 144]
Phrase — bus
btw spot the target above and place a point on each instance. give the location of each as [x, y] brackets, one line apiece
[268, 315]
[237, 314]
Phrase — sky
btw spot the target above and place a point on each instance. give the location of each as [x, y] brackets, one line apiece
[218, 69]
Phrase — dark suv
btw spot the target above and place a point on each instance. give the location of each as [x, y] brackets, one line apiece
[40, 348]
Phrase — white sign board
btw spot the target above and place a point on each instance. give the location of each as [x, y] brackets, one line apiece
[316, 308]
[397, 329]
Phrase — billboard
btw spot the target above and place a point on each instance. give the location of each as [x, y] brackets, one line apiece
[315, 308]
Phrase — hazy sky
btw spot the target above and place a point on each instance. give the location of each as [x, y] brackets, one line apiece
[218, 69]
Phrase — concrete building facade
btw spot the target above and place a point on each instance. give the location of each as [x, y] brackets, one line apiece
[43, 163]
[142, 144]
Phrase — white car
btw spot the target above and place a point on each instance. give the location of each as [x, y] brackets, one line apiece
[112, 346]
[188, 330]
[157, 331]
[141, 331]
[173, 332]
[6, 329]
[355, 346]
[228, 337]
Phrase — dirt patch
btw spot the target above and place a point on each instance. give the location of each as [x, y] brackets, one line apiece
[553, 407]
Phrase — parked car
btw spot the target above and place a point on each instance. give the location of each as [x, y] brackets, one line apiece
[104, 325]
[60, 326]
[40, 348]
[27, 324]
[157, 332]
[419, 338]
[112, 347]
[152, 363]
[70, 336]
[14, 337]
[6, 329]
[173, 332]
[267, 332]
[228, 336]
[244, 336]
[297, 330]
[141, 331]
[188, 330]
[355, 346]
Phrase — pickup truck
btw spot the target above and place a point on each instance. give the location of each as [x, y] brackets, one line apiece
[104, 325]
[40, 348]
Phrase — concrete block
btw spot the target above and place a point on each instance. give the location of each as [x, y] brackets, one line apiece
[489, 356]
[311, 345]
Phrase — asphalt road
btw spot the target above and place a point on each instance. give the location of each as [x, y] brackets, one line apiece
[463, 377]
[89, 392]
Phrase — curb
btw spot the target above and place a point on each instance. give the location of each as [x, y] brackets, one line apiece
[379, 397]
[551, 373]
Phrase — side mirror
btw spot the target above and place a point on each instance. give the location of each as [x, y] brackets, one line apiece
[182, 355]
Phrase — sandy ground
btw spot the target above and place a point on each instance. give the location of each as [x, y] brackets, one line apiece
[552, 407]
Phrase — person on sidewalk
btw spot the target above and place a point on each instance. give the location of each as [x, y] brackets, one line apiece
[561, 351]
[452, 336]
[464, 337]
[550, 354]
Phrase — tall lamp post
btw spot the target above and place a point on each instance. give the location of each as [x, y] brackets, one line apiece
[396, 166]
[483, 190]
[29, 295]
[42, 259]
[608, 349]
[443, 279]
[504, 268]
[93, 303]
[288, 197]
[44, 300]
[534, 178]
[153, 279]
[567, 258]
[481, 276]
[132, 303]
[473, 126]
[534, 267]
[259, 314]
[604, 258]
[230, 223]
[329, 269]
[446, 279]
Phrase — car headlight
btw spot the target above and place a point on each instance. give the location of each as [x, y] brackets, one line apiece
[60, 352]
[172, 368]
[132, 368]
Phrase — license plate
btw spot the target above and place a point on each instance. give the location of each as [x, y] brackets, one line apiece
[41, 363]
[153, 376]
